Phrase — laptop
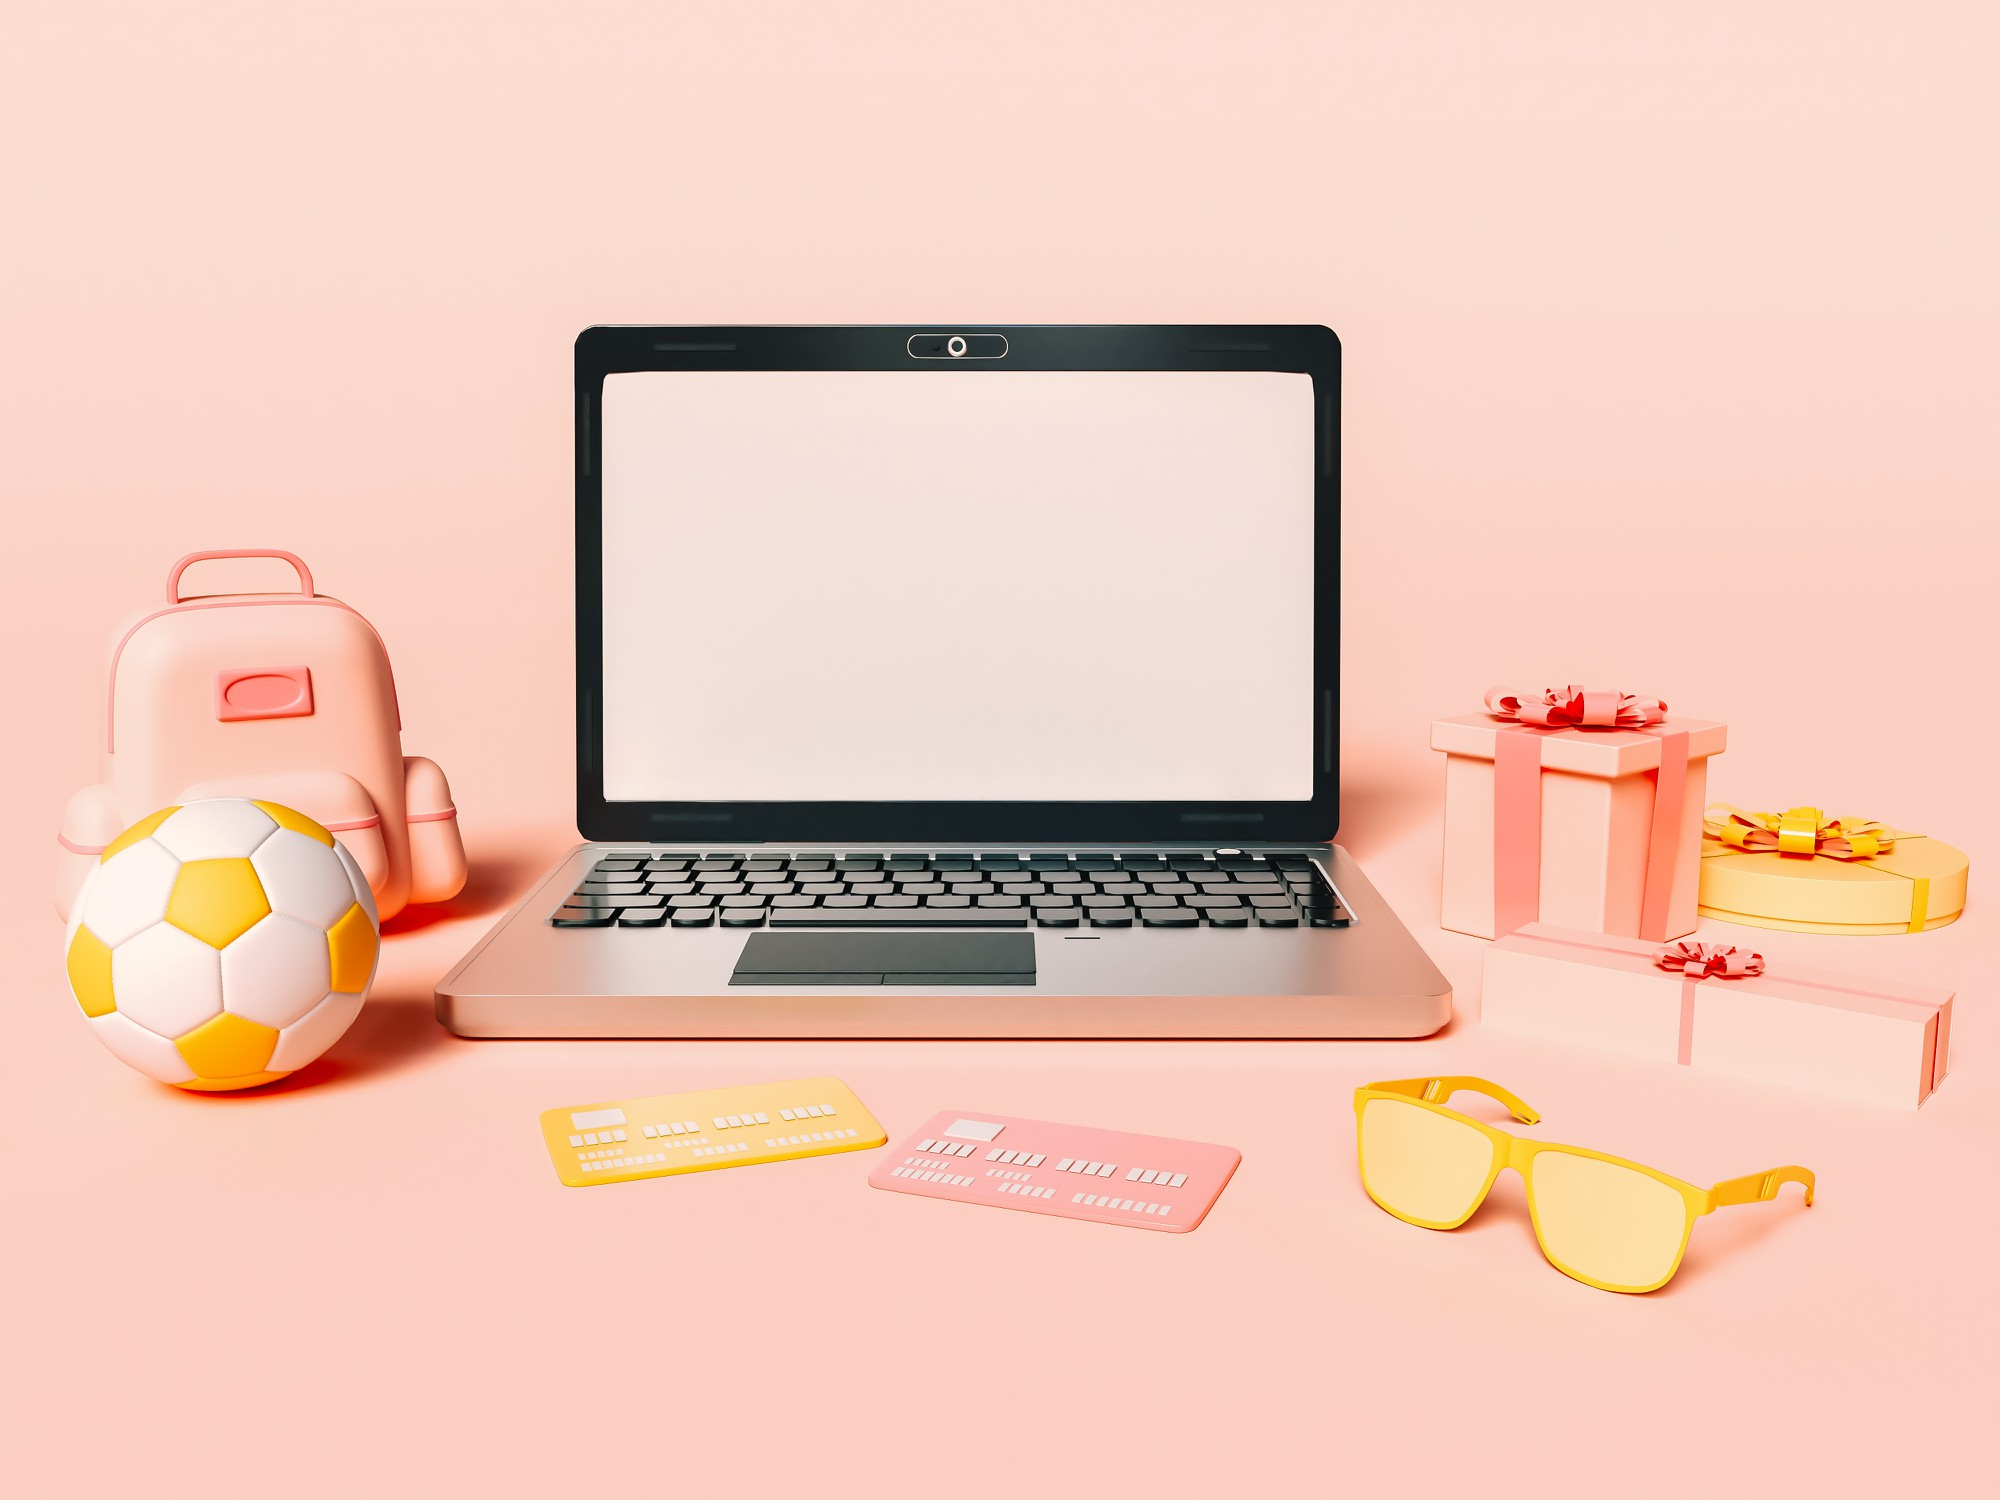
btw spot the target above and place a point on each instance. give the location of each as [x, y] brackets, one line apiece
[955, 681]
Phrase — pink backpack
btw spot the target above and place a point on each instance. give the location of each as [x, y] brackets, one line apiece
[287, 697]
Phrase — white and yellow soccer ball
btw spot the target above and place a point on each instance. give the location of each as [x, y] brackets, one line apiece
[222, 944]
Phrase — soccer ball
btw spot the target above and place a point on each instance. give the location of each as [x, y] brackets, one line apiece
[222, 944]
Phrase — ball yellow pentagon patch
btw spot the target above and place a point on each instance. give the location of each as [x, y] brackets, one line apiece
[351, 943]
[90, 973]
[143, 829]
[227, 1047]
[217, 900]
[225, 1085]
[298, 822]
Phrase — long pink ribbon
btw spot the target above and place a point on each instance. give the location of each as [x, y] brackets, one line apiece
[1696, 962]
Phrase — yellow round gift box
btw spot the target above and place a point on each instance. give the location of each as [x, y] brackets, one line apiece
[1816, 893]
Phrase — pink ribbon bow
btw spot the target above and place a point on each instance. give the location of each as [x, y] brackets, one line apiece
[1575, 707]
[1709, 960]
[1695, 963]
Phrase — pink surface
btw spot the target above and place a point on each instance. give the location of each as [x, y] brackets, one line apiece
[1668, 365]
[1075, 1171]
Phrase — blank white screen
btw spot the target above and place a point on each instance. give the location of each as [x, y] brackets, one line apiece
[960, 585]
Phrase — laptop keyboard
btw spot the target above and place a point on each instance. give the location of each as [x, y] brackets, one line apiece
[642, 889]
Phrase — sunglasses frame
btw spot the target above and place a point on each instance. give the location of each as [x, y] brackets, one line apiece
[1514, 1152]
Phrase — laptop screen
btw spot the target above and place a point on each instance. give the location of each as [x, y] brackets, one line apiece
[957, 585]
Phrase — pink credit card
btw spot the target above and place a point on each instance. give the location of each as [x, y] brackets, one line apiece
[1072, 1171]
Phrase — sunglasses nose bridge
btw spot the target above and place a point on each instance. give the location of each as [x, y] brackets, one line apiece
[1518, 1154]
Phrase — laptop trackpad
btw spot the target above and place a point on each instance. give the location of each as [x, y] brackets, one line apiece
[926, 958]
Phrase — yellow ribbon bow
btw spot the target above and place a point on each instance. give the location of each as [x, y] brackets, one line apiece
[1802, 831]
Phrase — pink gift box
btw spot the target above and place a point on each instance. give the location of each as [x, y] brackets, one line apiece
[1598, 829]
[1877, 1040]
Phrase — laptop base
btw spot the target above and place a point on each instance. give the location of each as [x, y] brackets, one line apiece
[529, 979]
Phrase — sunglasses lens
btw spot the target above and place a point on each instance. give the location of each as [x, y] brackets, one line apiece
[1607, 1222]
[1421, 1164]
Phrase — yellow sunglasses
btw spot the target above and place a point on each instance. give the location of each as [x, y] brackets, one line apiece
[1608, 1222]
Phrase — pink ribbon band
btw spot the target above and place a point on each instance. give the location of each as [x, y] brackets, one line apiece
[1697, 962]
[1517, 796]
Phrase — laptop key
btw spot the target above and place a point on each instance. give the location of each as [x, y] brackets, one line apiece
[1058, 916]
[1271, 916]
[571, 916]
[1222, 916]
[846, 902]
[794, 900]
[643, 917]
[896, 901]
[615, 903]
[1169, 916]
[948, 901]
[691, 903]
[1001, 901]
[1109, 916]
[694, 917]
[919, 916]
[743, 916]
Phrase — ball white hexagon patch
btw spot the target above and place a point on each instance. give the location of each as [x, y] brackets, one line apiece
[302, 878]
[322, 1026]
[362, 892]
[166, 980]
[136, 1047]
[221, 828]
[128, 892]
[276, 972]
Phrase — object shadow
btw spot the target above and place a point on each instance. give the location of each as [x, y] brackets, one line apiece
[390, 1033]
[1717, 1237]
[1379, 806]
[493, 882]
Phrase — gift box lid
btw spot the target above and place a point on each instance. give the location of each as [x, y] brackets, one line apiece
[1586, 752]
[1814, 889]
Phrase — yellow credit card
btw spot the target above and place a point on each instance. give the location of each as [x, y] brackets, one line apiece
[626, 1139]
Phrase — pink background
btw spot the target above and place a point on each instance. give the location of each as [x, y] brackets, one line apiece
[1669, 365]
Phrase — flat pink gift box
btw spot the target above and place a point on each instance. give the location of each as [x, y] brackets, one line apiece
[1876, 1040]
[1609, 848]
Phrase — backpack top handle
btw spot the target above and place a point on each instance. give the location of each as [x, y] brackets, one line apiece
[298, 564]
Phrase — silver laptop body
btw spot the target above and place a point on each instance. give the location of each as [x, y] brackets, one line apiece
[955, 681]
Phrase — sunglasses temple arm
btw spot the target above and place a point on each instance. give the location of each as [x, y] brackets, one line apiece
[1760, 1187]
[1439, 1090]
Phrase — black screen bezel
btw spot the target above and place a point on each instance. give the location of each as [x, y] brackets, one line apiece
[1308, 349]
